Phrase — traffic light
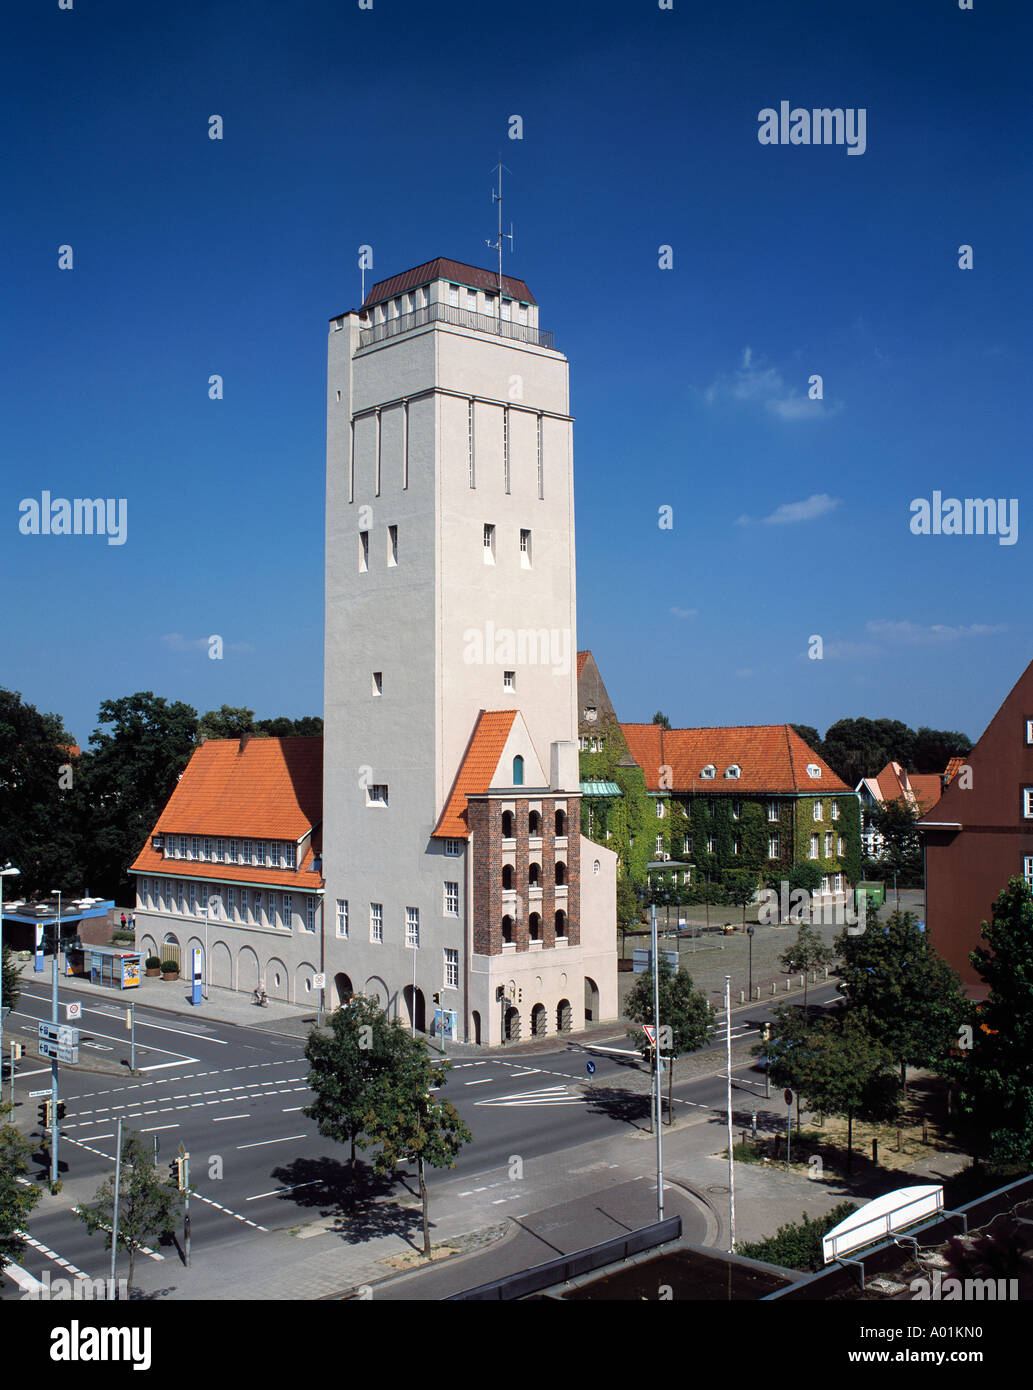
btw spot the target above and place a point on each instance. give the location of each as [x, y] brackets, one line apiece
[500, 993]
[17, 1052]
[176, 1173]
[520, 996]
[61, 1108]
[436, 998]
[45, 1114]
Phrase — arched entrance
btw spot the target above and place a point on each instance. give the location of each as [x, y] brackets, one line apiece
[564, 1019]
[222, 966]
[512, 1029]
[538, 1024]
[421, 1008]
[591, 1000]
[343, 986]
[475, 1019]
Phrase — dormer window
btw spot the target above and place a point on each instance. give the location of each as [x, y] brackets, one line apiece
[709, 771]
[813, 770]
[734, 771]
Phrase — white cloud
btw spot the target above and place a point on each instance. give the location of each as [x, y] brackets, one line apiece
[917, 634]
[753, 381]
[818, 504]
[684, 612]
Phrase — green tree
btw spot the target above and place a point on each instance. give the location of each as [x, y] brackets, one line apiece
[39, 811]
[996, 1073]
[741, 885]
[17, 1198]
[797, 1245]
[896, 822]
[684, 1009]
[131, 772]
[12, 980]
[808, 952]
[835, 1064]
[934, 749]
[660, 718]
[410, 1124]
[628, 911]
[804, 875]
[226, 722]
[348, 1061]
[856, 748]
[909, 997]
[147, 1203]
[282, 727]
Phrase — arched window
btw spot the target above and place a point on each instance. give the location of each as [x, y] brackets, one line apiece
[561, 871]
[518, 771]
[507, 929]
[507, 876]
[561, 824]
[534, 875]
[561, 923]
[534, 927]
[534, 824]
[507, 825]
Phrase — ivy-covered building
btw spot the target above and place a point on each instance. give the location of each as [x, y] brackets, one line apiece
[711, 801]
[750, 798]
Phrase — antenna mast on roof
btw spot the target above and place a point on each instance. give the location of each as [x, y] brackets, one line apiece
[496, 197]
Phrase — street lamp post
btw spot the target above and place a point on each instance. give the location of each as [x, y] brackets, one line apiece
[6, 871]
[656, 1057]
[749, 933]
[53, 1059]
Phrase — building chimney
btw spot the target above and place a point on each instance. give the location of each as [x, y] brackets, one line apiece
[243, 743]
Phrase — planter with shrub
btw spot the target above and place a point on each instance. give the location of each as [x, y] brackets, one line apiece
[169, 970]
[152, 966]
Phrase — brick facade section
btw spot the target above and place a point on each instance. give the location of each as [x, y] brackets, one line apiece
[485, 821]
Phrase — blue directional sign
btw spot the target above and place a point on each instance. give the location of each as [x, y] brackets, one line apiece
[590, 1068]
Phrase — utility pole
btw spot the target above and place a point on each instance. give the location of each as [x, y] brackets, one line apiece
[5, 872]
[53, 1056]
[731, 1157]
[656, 1069]
[114, 1214]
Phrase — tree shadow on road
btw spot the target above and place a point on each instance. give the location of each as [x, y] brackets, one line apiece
[628, 1107]
[321, 1187]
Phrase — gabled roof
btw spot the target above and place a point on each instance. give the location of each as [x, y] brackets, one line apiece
[920, 789]
[582, 657]
[152, 861]
[441, 268]
[478, 767]
[772, 758]
[261, 788]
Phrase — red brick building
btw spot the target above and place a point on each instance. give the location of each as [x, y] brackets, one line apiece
[980, 832]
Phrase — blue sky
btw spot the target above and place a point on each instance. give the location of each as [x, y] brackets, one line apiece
[689, 385]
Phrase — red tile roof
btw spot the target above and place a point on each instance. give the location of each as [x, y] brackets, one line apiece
[895, 784]
[443, 269]
[582, 657]
[773, 758]
[475, 771]
[150, 861]
[271, 788]
[953, 768]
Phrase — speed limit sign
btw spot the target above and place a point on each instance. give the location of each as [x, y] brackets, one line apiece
[73, 1010]
[319, 981]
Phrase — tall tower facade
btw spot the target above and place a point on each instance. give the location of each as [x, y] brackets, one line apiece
[451, 851]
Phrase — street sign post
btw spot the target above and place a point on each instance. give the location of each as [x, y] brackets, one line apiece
[590, 1068]
[47, 1048]
[73, 1010]
[787, 1096]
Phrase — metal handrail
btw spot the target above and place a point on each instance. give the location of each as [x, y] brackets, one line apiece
[462, 318]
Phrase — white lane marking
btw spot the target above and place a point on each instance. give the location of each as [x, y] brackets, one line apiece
[110, 1158]
[158, 1066]
[531, 1071]
[51, 1254]
[96, 1138]
[549, 1095]
[260, 1142]
[288, 1109]
[235, 1214]
[484, 1081]
[154, 1128]
[41, 1071]
[618, 1051]
[277, 1191]
[151, 1254]
[221, 1119]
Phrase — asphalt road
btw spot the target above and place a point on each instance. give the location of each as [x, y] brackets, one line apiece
[233, 1097]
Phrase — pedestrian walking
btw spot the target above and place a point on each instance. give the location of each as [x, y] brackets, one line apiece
[123, 921]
